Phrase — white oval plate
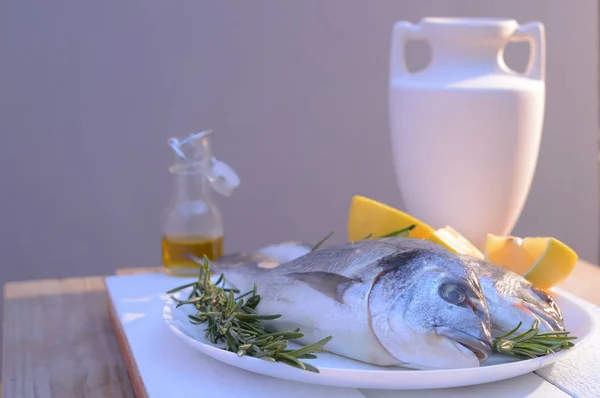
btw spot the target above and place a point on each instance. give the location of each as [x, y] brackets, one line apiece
[340, 371]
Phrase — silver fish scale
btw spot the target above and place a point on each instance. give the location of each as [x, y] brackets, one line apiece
[352, 259]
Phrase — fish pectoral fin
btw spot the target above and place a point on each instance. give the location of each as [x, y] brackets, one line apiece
[330, 284]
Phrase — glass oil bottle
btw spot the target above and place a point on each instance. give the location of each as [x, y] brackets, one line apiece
[193, 224]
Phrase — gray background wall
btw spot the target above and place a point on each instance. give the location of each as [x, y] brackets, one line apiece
[296, 91]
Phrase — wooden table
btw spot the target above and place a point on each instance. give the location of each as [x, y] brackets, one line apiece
[58, 342]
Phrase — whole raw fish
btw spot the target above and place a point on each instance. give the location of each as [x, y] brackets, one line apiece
[390, 301]
[510, 298]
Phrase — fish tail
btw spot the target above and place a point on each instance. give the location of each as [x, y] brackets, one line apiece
[233, 265]
[236, 260]
[265, 258]
[279, 253]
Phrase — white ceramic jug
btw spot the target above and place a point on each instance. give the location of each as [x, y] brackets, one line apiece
[466, 129]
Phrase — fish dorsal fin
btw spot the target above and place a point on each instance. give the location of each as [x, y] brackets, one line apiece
[396, 260]
[330, 284]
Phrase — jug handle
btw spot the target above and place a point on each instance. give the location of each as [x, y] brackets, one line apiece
[403, 31]
[533, 32]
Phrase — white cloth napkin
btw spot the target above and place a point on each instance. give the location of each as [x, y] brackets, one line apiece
[579, 374]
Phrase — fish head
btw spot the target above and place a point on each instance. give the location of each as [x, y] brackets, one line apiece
[512, 299]
[434, 302]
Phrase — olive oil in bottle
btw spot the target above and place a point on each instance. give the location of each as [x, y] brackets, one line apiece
[192, 224]
[175, 247]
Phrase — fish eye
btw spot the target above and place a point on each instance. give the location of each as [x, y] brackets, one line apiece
[453, 293]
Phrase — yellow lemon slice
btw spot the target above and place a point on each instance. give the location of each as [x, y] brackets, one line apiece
[369, 218]
[454, 241]
[545, 262]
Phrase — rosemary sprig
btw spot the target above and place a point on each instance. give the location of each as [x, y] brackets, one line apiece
[233, 320]
[319, 243]
[404, 232]
[532, 343]
[401, 233]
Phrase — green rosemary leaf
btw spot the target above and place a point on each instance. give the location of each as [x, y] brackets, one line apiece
[252, 317]
[190, 301]
[310, 368]
[238, 306]
[195, 320]
[245, 294]
[525, 336]
[253, 301]
[307, 356]
[523, 353]
[230, 301]
[231, 343]
[548, 339]
[276, 345]
[554, 334]
[261, 353]
[401, 232]
[290, 358]
[192, 294]
[296, 364]
[252, 328]
[536, 348]
[285, 335]
[532, 343]
[263, 341]
[509, 333]
[248, 310]
[179, 288]
[310, 348]
[315, 247]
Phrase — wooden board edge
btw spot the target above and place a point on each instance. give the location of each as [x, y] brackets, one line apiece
[3, 383]
[139, 388]
[138, 270]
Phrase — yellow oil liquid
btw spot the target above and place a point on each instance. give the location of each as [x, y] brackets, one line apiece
[174, 248]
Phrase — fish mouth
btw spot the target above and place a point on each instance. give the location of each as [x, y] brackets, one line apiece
[549, 321]
[482, 349]
[545, 310]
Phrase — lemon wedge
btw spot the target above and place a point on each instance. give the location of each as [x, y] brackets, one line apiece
[370, 218]
[545, 262]
[454, 241]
